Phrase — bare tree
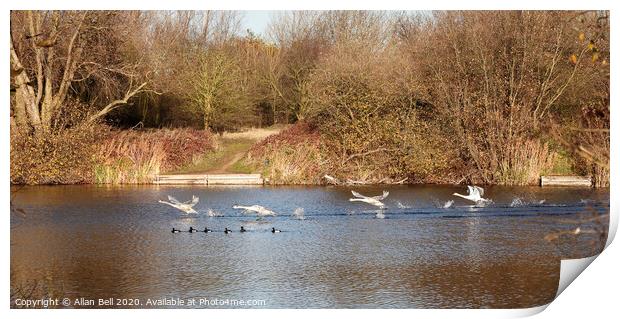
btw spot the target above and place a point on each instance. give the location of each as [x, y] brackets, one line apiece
[53, 52]
[495, 78]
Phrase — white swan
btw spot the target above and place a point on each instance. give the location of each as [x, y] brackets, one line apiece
[374, 200]
[259, 210]
[475, 194]
[187, 207]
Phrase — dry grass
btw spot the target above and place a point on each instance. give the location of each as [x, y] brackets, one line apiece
[291, 157]
[136, 157]
[525, 163]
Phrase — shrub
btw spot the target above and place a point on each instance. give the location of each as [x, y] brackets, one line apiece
[369, 109]
[60, 157]
[95, 154]
[293, 156]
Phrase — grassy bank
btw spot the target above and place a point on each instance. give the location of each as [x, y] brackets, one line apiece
[298, 154]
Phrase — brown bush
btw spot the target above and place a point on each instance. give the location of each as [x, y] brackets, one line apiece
[495, 79]
[95, 154]
[61, 157]
[369, 107]
[293, 156]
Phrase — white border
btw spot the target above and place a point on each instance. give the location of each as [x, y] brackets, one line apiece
[593, 293]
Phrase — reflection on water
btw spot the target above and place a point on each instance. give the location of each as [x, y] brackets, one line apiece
[115, 242]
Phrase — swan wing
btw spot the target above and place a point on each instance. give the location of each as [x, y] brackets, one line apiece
[193, 202]
[470, 190]
[173, 200]
[263, 211]
[358, 195]
[382, 197]
[480, 190]
[247, 209]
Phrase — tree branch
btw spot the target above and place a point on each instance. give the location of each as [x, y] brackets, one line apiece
[38, 57]
[68, 72]
[117, 103]
[382, 149]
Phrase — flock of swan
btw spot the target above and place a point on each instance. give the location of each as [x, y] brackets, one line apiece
[475, 194]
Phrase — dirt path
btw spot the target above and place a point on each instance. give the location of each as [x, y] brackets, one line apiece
[232, 148]
[226, 168]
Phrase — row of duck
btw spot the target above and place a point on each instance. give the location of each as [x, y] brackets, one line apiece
[207, 230]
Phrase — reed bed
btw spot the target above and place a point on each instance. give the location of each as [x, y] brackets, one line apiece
[135, 157]
[525, 162]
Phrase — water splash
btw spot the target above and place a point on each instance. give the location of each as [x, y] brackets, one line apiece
[299, 213]
[401, 206]
[483, 203]
[448, 204]
[212, 213]
[517, 202]
[380, 215]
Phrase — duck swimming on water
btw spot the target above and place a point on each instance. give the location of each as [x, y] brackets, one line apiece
[274, 230]
[174, 230]
[207, 230]
[227, 231]
[242, 229]
[193, 230]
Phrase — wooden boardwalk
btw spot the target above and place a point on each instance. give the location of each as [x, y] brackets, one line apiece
[210, 179]
[564, 180]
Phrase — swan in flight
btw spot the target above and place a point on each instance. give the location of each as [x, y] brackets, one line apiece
[374, 200]
[475, 194]
[185, 206]
[259, 210]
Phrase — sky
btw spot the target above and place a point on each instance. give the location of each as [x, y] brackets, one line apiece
[257, 21]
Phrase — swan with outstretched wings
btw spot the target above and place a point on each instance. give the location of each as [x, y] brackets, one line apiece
[475, 194]
[187, 206]
[259, 210]
[372, 200]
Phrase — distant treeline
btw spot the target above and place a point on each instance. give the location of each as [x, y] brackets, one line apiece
[477, 96]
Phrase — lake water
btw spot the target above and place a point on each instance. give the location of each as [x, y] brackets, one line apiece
[115, 242]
